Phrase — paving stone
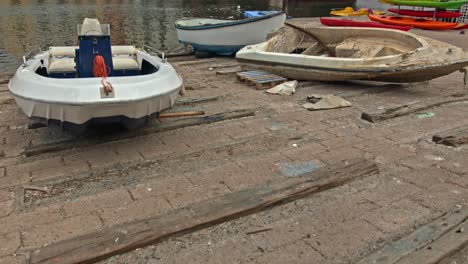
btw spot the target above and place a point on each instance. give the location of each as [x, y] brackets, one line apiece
[399, 217]
[160, 186]
[342, 242]
[25, 220]
[47, 234]
[304, 152]
[7, 207]
[97, 202]
[442, 197]
[9, 243]
[298, 252]
[139, 209]
[10, 260]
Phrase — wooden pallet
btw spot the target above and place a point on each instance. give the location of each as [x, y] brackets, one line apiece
[261, 79]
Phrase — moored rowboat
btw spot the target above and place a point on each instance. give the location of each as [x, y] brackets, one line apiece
[308, 52]
[415, 22]
[226, 37]
[353, 23]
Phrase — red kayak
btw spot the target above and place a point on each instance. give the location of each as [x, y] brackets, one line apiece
[333, 22]
[416, 13]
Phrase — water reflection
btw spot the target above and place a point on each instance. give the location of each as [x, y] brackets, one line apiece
[28, 24]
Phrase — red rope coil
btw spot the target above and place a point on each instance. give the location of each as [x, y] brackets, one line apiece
[100, 69]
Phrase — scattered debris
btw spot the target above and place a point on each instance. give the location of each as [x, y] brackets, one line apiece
[36, 188]
[320, 102]
[258, 231]
[286, 88]
[453, 137]
[410, 108]
[298, 169]
[425, 115]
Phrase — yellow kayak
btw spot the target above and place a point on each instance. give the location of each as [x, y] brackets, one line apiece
[349, 11]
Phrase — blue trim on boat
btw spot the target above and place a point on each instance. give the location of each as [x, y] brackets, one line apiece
[255, 13]
[224, 50]
[228, 24]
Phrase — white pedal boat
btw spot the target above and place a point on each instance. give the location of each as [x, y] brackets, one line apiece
[51, 86]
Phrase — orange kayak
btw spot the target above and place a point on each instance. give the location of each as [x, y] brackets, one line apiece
[415, 22]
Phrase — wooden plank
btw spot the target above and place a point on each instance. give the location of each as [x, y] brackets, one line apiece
[65, 144]
[225, 72]
[454, 137]
[196, 100]
[396, 251]
[123, 238]
[181, 114]
[190, 63]
[410, 108]
[445, 246]
[230, 65]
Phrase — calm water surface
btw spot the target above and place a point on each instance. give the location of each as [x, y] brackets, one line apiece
[29, 24]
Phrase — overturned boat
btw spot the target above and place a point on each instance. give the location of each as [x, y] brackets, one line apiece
[78, 85]
[309, 52]
[226, 37]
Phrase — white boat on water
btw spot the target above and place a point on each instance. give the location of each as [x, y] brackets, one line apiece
[59, 85]
[226, 37]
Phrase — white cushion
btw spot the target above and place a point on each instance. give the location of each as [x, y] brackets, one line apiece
[125, 63]
[62, 65]
[63, 51]
[123, 50]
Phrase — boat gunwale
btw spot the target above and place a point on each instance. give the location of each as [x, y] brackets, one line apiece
[226, 24]
[33, 65]
[259, 49]
[380, 70]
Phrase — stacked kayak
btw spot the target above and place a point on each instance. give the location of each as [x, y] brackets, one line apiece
[451, 4]
[349, 11]
[352, 23]
[420, 13]
[415, 22]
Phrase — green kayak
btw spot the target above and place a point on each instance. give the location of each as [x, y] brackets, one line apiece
[451, 4]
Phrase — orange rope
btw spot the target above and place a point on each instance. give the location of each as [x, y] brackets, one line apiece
[100, 69]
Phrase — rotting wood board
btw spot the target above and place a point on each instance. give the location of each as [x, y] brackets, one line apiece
[60, 145]
[454, 137]
[123, 238]
[411, 108]
[197, 100]
[395, 251]
[190, 63]
[443, 247]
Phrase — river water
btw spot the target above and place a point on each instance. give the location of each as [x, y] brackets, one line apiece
[29, 24]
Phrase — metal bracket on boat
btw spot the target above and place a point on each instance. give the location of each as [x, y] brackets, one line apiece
[30, 55]
[154, 51]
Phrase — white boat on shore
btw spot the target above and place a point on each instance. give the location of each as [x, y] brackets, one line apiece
[226, 37]
[59, 85]
[308, 52]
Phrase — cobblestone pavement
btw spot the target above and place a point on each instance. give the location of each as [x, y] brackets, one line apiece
[107, 184]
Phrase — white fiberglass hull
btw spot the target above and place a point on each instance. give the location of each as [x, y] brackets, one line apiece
[78, 100]
[228, 37]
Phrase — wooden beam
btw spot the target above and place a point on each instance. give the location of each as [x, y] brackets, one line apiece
[394, 252]
[176, 124]
[181, 114]
[454, 137]
[411, 108]
[445, 246]
[197, 100]
[123, 238]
